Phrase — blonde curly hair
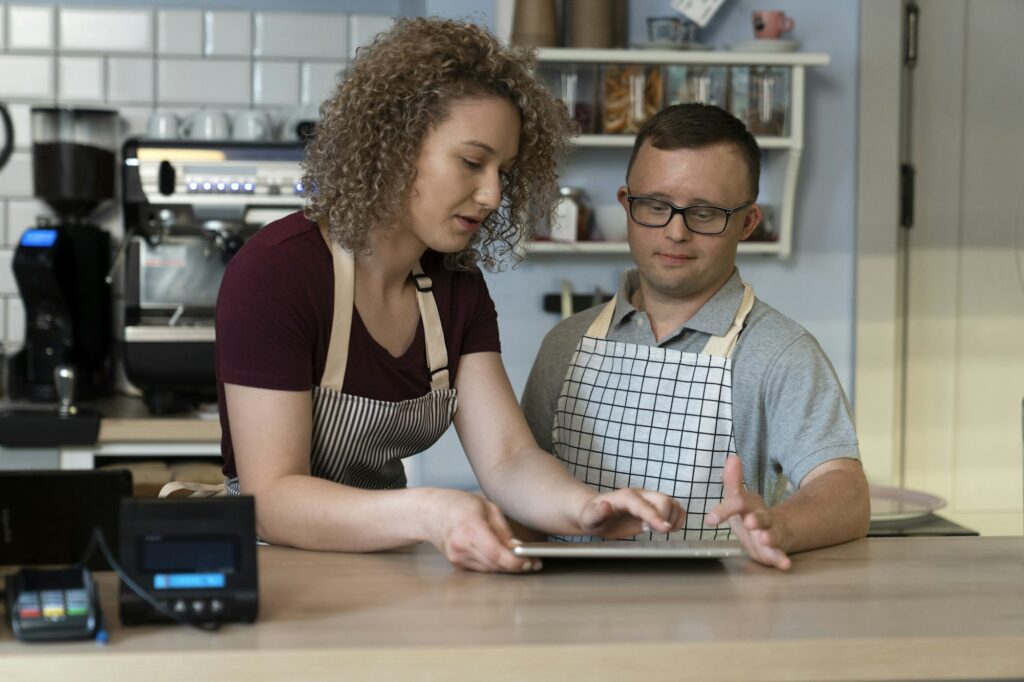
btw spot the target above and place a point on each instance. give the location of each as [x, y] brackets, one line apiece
[360, 162]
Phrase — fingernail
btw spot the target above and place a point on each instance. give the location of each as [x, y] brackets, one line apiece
[537, 565]
[514, 542]
[645, 527]
[527, 565]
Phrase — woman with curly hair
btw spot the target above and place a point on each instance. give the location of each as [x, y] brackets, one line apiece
[345, 332]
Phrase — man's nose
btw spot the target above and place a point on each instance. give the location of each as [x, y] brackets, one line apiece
[676, 229]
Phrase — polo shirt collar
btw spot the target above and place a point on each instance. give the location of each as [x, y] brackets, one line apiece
[714, 318]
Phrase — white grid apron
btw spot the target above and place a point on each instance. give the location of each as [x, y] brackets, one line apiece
[359, 441]
[638, 416]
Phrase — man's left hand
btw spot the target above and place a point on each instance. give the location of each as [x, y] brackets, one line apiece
[761, 532]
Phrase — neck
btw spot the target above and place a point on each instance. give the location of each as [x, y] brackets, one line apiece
[668, 312]
[391, 258]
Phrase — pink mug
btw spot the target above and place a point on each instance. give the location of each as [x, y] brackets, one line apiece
[771, 24]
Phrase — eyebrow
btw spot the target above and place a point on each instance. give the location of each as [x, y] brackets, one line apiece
[695, 201]
[489, 149]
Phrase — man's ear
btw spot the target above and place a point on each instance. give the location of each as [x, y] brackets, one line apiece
[621, 196]
[751, 221]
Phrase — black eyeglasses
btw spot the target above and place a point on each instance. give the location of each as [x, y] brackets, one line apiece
[698, 218]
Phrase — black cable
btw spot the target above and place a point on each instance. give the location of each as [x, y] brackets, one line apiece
[97, 539]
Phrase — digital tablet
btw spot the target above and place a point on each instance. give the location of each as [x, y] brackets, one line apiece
[631, 549]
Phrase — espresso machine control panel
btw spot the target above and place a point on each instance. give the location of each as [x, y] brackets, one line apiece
[188, 207]
[190, 173]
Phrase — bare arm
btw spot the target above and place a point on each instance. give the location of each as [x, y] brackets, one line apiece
[831, 506]
[271, 432]
[529, 484]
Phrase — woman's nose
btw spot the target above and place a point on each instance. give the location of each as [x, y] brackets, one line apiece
[488, 194]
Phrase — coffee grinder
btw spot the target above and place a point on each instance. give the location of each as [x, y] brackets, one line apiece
[60, 266]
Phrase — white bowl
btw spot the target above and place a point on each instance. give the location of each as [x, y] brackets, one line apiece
[610, 221]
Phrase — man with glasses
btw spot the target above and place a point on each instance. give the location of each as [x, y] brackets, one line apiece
[685, 382]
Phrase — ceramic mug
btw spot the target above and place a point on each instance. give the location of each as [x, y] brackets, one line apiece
[771, 24]
[163, 125]
[251, 125]
[206, 125]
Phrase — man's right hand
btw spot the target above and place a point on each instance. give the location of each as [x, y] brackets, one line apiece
[472, 533]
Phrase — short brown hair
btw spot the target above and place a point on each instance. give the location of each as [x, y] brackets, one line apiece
[360, 163]
[692, 126]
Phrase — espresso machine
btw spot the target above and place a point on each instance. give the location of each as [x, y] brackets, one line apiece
[188, 207]
[60, 266]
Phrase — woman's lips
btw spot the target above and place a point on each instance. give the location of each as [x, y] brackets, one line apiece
[468, 224]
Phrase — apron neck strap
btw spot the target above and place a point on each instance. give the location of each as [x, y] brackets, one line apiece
[341, 323]
[716, 345]
[724, 345]
[433, 333]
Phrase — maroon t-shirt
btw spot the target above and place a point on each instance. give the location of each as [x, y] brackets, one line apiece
[274, 314]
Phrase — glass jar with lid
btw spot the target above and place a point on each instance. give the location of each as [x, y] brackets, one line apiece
[630, 95]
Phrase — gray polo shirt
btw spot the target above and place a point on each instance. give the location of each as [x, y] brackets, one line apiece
[789, 410]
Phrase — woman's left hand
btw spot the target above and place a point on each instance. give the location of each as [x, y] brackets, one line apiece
[626, 512]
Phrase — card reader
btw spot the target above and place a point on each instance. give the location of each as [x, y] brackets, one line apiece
[196, 559]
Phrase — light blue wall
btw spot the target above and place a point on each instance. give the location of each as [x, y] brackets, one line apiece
[815, 286]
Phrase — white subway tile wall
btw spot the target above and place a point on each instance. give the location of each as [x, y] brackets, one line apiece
[203, 81]
[80, 79]
[363, 29]
[140, 59]
[228, 34]
[15, 321]
[21, 121]
[7, 284]
[312, 35]
[275, 83]
[21, 215]
[106, 30]
[179, 32]
[26, 76]
[16, 176]
[130, 80]
[31, 27]
[318, 80]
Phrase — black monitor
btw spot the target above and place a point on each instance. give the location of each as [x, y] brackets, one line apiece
[47, 517]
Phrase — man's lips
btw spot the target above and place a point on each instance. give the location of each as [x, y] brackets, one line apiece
[675, 257]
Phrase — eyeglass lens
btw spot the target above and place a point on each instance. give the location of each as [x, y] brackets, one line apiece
[656, 213]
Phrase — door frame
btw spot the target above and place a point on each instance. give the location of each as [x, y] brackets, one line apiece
[878, 359]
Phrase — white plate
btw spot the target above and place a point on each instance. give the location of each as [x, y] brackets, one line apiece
[766, 45]
[899, 504]
[670, 45]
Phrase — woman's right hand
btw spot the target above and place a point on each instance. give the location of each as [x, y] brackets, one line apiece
[472, 533]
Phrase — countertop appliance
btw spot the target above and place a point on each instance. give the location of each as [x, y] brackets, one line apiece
[188, 207]
[60, 267]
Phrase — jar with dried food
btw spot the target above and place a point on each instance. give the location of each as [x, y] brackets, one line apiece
[630, 95]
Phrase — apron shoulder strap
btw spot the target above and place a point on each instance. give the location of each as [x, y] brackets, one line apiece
[433, 332]
[341, 323]
[723, 346]
[599, 327]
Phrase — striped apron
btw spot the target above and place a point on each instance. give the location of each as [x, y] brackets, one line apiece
[360, 441]
[638, 416]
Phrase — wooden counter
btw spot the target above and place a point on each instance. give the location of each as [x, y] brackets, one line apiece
[126, 420]
[876, 609]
